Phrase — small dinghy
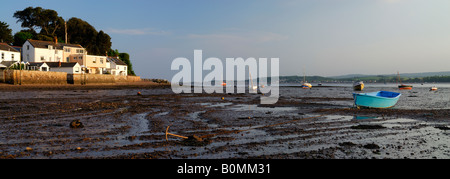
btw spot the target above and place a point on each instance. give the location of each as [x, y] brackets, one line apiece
[380, 99]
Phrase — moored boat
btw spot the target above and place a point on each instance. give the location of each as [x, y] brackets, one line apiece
[402, 86]
[380, 99]
[405, 87]
[434, 88]
[306, 86]
[358, 86]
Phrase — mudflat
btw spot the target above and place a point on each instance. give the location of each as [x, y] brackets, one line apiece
[133, 121]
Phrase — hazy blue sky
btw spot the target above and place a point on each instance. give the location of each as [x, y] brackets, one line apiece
[324, 37]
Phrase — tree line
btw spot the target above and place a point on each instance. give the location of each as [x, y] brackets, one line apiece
[45, 24]
[378, 79]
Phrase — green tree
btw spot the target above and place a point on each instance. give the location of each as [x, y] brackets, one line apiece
[45, 20]
[113, 53]
[21, 37]
[5, 33]
[125, 57]
[27, 18]
[103, 44]
[81, 32]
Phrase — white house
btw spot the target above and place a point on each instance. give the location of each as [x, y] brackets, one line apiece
[48, 51]
[7, 53]
[69, 68]
[117, 66]
[38, 66]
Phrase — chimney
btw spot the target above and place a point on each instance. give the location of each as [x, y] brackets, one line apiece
[56, 39]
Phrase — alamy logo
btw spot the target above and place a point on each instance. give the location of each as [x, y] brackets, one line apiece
[258, 75]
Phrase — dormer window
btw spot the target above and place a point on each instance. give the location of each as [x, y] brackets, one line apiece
[50, 47]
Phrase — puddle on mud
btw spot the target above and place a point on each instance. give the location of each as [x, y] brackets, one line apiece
[210, 105]
[400, 138]
[365, 117]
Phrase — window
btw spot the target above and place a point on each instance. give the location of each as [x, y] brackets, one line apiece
[101, 60]
[42, 58]
[77, 70]
[80, 51]
[12, 57]
[67, 50]
[95, 60]
[67, 59]
[74, 58]
[28, 47]
[44, 69]
[80, 57]
[3, 56]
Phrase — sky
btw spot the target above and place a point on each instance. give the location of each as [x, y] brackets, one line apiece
[316, 37]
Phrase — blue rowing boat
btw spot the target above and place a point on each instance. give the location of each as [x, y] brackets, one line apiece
[380, 99]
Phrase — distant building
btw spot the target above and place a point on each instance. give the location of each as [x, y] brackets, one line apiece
[115, 66]
[8, 53]
[69, 68]
[38, 66]
[48, 51]
[95, 64]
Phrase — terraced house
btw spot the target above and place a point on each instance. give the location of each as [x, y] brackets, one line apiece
[48, 51]
[8, 55]
[36, 51]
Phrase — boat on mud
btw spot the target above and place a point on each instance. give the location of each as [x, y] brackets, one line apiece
[402, 86]
[380, 99]
[358, 86]
[306, 86]
[405, 87]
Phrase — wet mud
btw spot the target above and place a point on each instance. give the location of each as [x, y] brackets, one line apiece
[131, 122]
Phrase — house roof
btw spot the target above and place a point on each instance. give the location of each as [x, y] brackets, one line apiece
[116, 61]
[38, 64]
[6, 47]
[45, 44]
[7, 63]
[63, 64]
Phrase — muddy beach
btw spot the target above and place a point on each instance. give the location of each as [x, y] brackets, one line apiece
[117, 123]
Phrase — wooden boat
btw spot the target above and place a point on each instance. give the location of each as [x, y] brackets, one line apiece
[358, 86]
[380, 99]
[434, 88]
[402, 86]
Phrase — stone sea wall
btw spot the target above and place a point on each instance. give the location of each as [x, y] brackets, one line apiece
[34, 77]
[43, 77]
